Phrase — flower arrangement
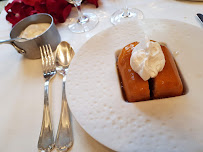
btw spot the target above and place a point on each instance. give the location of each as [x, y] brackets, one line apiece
[59, 9]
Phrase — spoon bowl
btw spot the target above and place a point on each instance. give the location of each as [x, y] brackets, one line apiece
[64, 55]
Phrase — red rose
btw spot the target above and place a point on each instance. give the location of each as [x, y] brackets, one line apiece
[59, 9]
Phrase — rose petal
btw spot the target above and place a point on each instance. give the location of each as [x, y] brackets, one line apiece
[54, 17]
[29, 10]
[15, 18]
[59, 9]
[41, 7]
[17, 7]
[66, 12]
[56, 5]
[63, 14]
[8, 7]
[11, 18]
[18, 1]
[13, 4]
[31, 2]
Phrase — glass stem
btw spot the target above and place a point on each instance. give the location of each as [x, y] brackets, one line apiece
[125, 4]
[126, 12]
[81, 18]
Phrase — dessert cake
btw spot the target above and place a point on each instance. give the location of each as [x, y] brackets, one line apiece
[134, 87]
[166, 84]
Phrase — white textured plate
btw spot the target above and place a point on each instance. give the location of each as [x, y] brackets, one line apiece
[94, 94]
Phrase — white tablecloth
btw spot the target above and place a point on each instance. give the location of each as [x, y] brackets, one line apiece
[21, 81]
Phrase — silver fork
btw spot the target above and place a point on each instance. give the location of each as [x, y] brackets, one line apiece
[46, 138]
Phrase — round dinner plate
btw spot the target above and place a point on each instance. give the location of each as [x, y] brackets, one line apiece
[95, 98]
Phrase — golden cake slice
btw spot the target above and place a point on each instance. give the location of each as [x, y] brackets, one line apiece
[135, 88]
[168, 82]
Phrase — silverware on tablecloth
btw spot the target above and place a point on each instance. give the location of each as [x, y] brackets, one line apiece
[64, 138]
[46, 138]
[200, 16]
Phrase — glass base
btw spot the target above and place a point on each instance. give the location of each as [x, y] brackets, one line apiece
[77, 27]
[125, 15]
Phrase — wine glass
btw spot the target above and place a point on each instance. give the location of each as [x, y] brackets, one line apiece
[126, 14]
[85, 21]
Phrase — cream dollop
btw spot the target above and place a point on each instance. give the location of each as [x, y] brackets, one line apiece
[34, 30]
[147, 59]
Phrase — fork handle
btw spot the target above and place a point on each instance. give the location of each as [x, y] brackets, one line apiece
[64, 138]
[46, 138]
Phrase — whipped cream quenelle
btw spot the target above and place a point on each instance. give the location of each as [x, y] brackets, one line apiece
[34, 30]
[147, 59]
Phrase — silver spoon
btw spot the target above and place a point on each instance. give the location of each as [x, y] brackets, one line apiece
[64, 137]
[13, 39]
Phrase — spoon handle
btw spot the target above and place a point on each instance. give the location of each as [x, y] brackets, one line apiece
[64, 138]
[7, 41]
[12, 40]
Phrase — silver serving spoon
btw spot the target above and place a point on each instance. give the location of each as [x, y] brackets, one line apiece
[64, 138]
[18, 39]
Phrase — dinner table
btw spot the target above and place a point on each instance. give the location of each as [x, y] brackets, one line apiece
[22, 82]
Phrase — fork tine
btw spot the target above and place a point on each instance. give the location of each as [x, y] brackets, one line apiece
[46, 59]
[52, 56]
[52, 59]
[43, 58]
